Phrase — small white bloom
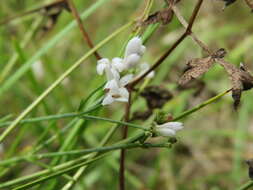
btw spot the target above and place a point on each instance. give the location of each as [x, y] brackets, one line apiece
[125, 80]
[168, 129]
[132, 60]
[104, 65]
[145, 67]
[38, 70]
[135, 46]
[118, 64]
[116, 91]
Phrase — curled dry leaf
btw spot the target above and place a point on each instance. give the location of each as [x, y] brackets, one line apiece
[241, 80]
[52, 12]
[156, 96]
[164, 16]
[198, 66]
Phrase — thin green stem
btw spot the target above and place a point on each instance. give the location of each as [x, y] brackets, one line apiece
[81, 152]
[246, 186]
[209, 101]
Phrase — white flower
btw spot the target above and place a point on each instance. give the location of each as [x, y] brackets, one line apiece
[38, 70]
[145, 67]
[134, 46]
[105, 66]
[118, 64]
[116, 90]
[168, 129]
[133, 53]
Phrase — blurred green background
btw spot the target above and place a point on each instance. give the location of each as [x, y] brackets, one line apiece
[216, 141]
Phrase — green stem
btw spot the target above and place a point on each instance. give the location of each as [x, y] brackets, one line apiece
[63, 168]
[81, 152]
[209, 101]
[246, 186]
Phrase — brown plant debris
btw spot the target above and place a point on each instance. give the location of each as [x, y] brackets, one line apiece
[241, 80]
[156, 96]
[198, 66]
[52, 12]
[164, 16]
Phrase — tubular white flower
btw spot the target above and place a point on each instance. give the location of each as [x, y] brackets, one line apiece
[125, 80]
[118, 64]
[132, 60]
[135, 46]
[116, 91]
[169, 129]
[102, 65]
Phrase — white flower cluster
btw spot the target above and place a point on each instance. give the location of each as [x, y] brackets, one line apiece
[168, 129]
[115, 86]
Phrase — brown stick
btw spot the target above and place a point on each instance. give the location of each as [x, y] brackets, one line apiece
[173, 47]
[85, 35]
[123, 151]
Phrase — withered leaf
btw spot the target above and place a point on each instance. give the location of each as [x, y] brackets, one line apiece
[52, 12]
[198, 66]
[164, 16]
[241, 80]
[156, 96]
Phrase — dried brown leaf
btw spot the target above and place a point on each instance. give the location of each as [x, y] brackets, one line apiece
[52, 12]
[156, 96]
[241, 80]
[164, 16]
[198, 66]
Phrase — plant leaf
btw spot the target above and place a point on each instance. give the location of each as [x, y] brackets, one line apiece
[241, 80]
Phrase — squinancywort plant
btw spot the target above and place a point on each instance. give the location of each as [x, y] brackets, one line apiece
[115, 87]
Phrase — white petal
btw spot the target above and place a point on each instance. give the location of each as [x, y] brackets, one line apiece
[108, 100]
[100, 68]
[111, 73]
[134, 46]
[112, 86]
[104, 61]
[166, 132]
[132, 60]
[118, 64]
[125, 80]
[124, 93]
[172, 125]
